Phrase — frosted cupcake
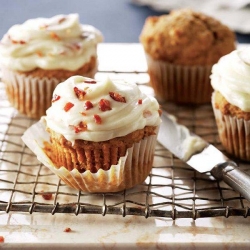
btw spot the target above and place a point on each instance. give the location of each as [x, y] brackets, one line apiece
[180, 50]
[102, 134]
[231, 102]
[38, 54]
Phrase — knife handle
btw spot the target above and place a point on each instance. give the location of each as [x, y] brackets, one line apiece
[237, 179]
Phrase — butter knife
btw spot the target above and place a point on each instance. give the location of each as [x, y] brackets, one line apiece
[201, 155]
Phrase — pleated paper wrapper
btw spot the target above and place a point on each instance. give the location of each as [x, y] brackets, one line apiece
[31, 95]
[179, 84]
[132, 169]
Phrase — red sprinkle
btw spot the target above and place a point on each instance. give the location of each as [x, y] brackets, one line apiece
[15, 41]
[98, 119]
[104, 105]
[47, 196]
[68, 106]
[62, 20]
[82, 126]
[44, 26]
[79, 93]
[117, 97]
[88, 105]
[140, 101]
[55, 98]
[76, 46]
[146, 113]
[67, 230]
[54, 36]
[90, 81]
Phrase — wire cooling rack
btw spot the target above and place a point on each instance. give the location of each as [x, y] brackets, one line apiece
[172, 189]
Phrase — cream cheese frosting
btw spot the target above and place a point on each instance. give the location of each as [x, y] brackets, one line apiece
[231, 77]
[90, 110]
[60, 42]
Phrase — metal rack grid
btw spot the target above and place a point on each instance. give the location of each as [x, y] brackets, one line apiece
[172, 190]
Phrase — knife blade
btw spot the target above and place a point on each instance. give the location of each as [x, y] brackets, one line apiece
[201, 155]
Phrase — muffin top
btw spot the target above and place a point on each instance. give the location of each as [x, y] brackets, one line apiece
[90, 110]
[60, 42]
[231, 77]
[186, 37]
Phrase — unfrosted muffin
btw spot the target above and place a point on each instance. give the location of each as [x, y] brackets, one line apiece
[38, 54]
[102, 134]
[180, 49]
[231, 102]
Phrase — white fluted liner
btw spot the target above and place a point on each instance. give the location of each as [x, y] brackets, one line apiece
[31, 95]
[180, 84]
[132, 169]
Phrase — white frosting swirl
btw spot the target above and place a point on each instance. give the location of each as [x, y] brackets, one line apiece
[138, 110]
[231, 77]
[60, 42]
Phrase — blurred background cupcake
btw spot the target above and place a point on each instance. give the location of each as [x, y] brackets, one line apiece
[180, 50]
[102, 134]
[38, 54]
[231, 101]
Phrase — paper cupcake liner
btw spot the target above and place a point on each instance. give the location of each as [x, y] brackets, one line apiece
[132, 169]
[234, 134]
[31, 95]
[180, 84]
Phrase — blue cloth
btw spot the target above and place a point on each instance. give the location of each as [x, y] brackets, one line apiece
[119, 20]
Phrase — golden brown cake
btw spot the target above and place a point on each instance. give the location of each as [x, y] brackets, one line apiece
[180, 49]
[102, 134]
[231, 102]
[38, 54]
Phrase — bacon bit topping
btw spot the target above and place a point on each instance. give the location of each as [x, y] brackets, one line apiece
[90, 81]
[67, 230]
[117, 97]
[140, 101]
[88, 105]
[104, 105]
[39, 53]
[55, 98]
[62, 52]
[68, 106]
[98, 119]
[43, 27]
[79, 93]
[54, 36]
[15, 41]
[160, 112]
[76, 46]
[62, 20]
[82, 126]
[146, 113]
[46, 196]
[1, 239]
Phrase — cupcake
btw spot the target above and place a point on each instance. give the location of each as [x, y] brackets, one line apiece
[102, 134]
[40, 53]
[230, 79]
[180, 50]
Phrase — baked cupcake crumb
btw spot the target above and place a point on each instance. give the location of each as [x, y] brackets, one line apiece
[186, 37]
[227, 108]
